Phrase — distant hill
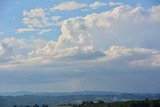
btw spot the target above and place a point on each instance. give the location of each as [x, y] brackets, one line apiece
[65, 98]
[20, 93]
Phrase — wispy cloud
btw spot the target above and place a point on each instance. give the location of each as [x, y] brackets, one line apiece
[35, 20]
[70, 5]
[22, 30]
[73, 5]
[44, 31]
[115, 3]
[56, 18]
[39, 12]
[1, 33]
[97, 4]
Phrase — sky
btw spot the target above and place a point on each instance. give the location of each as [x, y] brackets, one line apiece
[80, 45]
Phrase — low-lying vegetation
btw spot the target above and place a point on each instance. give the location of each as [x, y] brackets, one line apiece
[133, 103]
[144, 103]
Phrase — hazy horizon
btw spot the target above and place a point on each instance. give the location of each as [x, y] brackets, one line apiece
[78, 45]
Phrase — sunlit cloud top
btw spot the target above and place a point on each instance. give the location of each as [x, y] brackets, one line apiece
[82, 45]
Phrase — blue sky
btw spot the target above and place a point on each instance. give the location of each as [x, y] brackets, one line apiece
[12, 13]
[80, 45]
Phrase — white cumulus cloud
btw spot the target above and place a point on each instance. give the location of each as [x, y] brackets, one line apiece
[115, 46]
[91, 36]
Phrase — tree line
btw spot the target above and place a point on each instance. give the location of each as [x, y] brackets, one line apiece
[100, 103]
[36, 105]
[144, 103]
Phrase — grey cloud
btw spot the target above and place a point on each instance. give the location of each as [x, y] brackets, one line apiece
[6, 53]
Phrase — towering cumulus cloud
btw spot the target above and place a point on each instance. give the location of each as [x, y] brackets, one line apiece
[100, 51]
[91, 36]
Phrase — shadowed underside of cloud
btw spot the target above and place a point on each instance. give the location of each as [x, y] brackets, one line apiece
[124, 35]
[90, 37]
[92, 50]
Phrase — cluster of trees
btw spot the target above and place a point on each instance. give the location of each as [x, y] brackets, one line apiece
[145, 103]
[133, 103]
[36, 105]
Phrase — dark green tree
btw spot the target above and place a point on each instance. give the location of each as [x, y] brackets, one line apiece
[36, 105]
[44, 105]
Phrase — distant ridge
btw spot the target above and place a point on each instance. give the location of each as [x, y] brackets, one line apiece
[30, 98]
[21, 93]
